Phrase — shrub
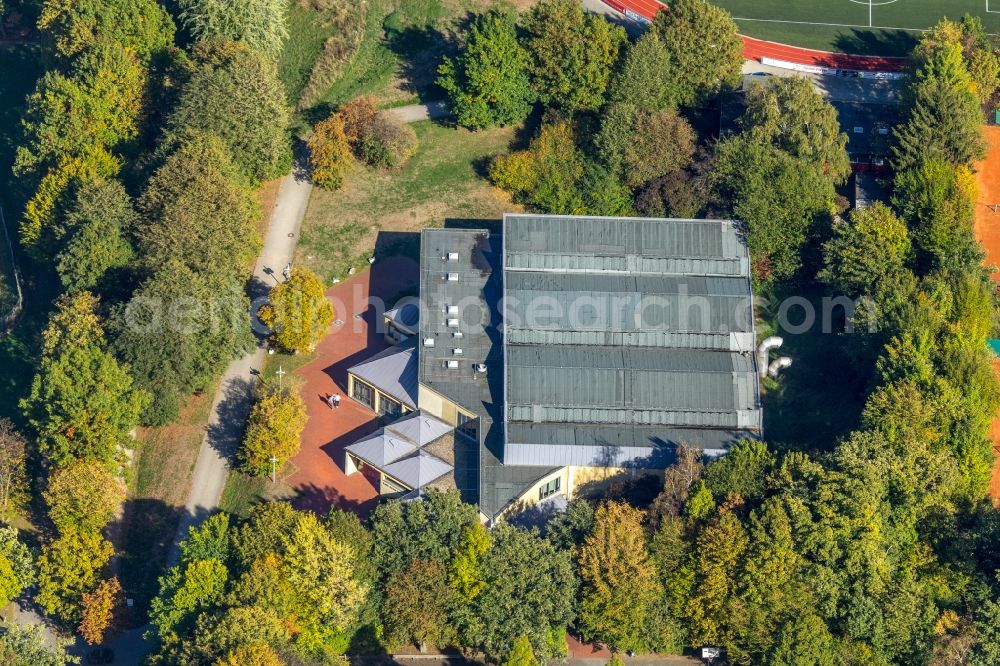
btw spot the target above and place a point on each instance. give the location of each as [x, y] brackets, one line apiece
[273, 429]
[387, 143]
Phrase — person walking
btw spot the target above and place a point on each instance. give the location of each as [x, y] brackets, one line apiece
[336, 400]
[328, 399]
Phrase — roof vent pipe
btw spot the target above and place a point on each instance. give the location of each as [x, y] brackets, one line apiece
[766, 346]
[777, 365]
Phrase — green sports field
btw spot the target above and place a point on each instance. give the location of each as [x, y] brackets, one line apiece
[878, 27]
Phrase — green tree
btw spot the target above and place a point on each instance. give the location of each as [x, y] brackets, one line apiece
[778, 197]
[661, 142]
[97, 104]
[620, 585]
[706, 54]
[179, 332]
[530, 589]
[17, 569]
[547, 174]
[27, 646]
[521, 653]
[82, 402]
[97, 231]
[263, 532]
[68, 568]
[299, 312]
[866, 251]
[805, 641]
[944, 123]
[208, 541]
[416, 605]
[184, 592]
[937, 200]
[273, 429]
[718, 549]
[261, 24]
[197, 209]
[488, 84]
[234, 93]
[644, 78]
[330, 153]
[142, 27]
[40, 222]
[431, 530]
[572, 52]
[83, 496]
[13, 475]
[792, 115]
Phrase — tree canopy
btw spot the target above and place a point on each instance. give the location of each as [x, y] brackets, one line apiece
[261, 24]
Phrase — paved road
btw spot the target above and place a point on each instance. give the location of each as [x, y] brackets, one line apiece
[837, 88]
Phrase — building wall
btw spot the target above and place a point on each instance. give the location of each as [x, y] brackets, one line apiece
[433, 403]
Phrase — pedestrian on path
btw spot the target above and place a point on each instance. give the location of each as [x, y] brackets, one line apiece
[328, 399]
[336, 400]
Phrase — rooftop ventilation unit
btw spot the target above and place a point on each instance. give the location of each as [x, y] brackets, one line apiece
[453, 256]
[859, 130]
[480, 367]
[452, 309]
[428, 342]
[457, 334]
[452, 323]
[457, 351]
[452, 277]
[451, 365]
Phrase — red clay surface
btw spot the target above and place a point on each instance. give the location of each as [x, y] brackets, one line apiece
[755, 49]
[988, 232]
[319, 479]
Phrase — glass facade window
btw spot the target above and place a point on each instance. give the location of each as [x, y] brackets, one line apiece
[549, 489]
[388, 407]
[468, 426]
[363, 393]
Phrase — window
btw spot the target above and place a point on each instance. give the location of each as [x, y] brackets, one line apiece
[468, 426]
[363, 394]
[549, 489]
[389, 407]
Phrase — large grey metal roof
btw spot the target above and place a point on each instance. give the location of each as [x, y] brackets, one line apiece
[623, 245]
[587, 380]
[392, 371]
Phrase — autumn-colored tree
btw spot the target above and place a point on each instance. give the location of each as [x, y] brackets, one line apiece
[67, 569]
[358, 115]
[416, 606]
[273, 429]
[521, 653]
[545, 175]
[99, 609]
[255, 654]
[620, 583]
[83, 496]
[330, 152]
[299, 312]
[318, 567]
[464, 576]
[13, 478]
[661, 142]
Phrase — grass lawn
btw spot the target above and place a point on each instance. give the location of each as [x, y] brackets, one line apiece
[384, 210]
[852, 26]
[164, 462]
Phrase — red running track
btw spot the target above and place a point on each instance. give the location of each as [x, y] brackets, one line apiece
[755, 49]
